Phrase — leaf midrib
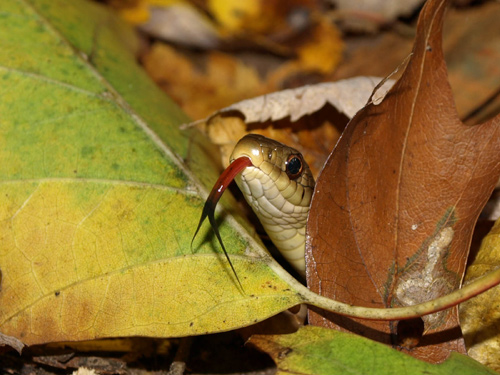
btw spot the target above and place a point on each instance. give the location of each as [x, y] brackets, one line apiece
[102, 181]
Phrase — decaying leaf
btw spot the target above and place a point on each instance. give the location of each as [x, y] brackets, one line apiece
[183, 24]
[480, 317]
[472, 51]
[304, 126]
[394, 208]
[470, 36]
[224, 80]
[347, 96]
[315, 350]
[318, 49]
[264, 17]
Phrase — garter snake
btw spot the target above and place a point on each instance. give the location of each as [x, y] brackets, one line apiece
[278, 184]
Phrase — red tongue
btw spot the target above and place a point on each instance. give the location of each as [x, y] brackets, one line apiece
[225, 179]
[209, 209]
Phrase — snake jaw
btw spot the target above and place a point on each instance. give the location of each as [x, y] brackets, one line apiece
[220, 186]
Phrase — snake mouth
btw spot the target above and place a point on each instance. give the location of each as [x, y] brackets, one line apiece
[220, 186]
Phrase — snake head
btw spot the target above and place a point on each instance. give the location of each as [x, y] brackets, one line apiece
[278, 185]
[274, 165]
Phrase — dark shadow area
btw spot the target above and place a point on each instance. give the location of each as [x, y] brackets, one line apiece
[223, 353]
[485, 333]
[409, 334]
[351, 325]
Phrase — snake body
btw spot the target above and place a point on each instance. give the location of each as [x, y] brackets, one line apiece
[279, 187]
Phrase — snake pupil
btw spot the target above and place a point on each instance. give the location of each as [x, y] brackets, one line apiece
[293, 166]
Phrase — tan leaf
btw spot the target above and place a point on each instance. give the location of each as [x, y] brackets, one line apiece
[183, 24]
[348, 96]
[223, 80]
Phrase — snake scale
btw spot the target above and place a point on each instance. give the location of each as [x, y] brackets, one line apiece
[278, 184]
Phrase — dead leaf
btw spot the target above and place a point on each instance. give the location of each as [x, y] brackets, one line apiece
[318, 49]
[394, 208]
[271, 18]
[294, 117]
[84, 371]
[480, 317]
[472, 51]
[323, 50]
[223, 80]
[183, 24]
[348, 96]
[177, 21]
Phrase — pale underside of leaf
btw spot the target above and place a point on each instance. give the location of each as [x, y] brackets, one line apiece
[347, 96]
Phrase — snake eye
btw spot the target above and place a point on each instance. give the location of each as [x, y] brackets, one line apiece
[294, 166]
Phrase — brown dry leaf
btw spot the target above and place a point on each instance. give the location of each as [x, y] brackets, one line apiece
[472, 51]
[319, 49]
[323, 51]
[394, 208]
[295, 117]
[295, 28]
[376, 55]
[225, 79]
[480, 317]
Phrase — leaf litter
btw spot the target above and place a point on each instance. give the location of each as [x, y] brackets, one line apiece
[230, 103]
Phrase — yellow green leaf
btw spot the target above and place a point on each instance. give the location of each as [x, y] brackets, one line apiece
[99, 193]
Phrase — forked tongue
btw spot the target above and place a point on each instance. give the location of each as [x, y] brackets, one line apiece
[209, 208]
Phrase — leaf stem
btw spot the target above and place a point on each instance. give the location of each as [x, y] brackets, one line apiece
[478, 286]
